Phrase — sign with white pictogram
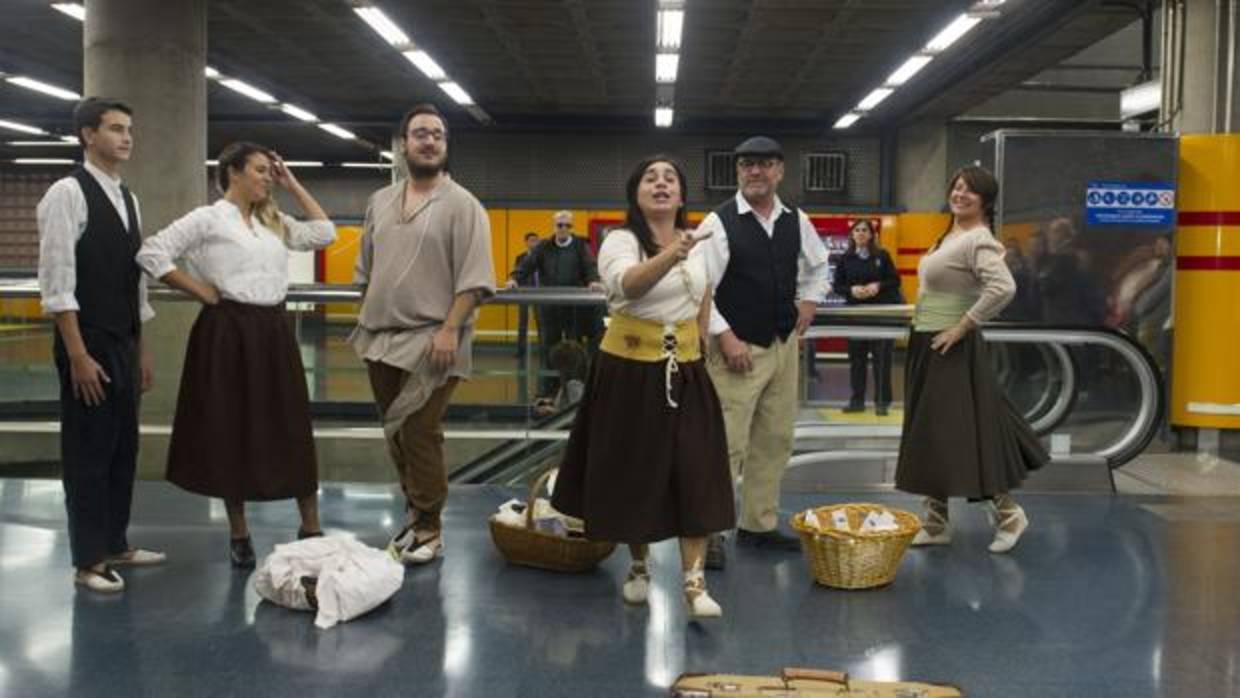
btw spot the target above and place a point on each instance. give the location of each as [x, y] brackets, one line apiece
[1130, 203]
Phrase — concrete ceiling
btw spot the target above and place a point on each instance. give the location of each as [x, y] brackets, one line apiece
[576, 64]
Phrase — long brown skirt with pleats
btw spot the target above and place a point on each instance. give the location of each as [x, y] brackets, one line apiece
[962, 436]
[638, 470]
[242, 426]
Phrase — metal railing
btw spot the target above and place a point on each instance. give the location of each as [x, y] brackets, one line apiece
[860, 322]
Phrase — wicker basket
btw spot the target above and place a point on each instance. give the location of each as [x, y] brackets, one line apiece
[534, 548]
[853, 559]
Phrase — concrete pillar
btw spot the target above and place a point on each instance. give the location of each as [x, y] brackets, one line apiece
[1202, 41]
[921, 166]
[151, 54]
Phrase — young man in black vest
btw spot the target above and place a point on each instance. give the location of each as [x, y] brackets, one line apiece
[769, 268]
[88, 235]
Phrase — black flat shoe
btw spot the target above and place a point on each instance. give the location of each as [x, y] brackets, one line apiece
[853, 409]
[881, 411]
[241, 550]
[716, 556]
[771, 540]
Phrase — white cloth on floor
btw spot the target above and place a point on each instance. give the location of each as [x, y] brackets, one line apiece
[353, 578]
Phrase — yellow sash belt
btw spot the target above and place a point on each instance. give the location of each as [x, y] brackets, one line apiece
[650, 341]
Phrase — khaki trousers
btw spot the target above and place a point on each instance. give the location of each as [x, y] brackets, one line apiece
[759, 413]
[417, 449]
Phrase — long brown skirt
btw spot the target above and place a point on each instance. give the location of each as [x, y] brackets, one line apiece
[962, 436]
[242, 426]
[638, 470]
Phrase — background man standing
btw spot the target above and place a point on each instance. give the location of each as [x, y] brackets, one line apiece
[563, 260]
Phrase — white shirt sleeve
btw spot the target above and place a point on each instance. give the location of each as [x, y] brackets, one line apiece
[159, 251]
[308, 235]
[811, 264]
[715, 255]
[61, 217]
[620, 251]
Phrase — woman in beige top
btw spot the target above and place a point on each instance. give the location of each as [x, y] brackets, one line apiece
[962, 437]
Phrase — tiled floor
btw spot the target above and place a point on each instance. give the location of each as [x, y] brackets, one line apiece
[1126, 595]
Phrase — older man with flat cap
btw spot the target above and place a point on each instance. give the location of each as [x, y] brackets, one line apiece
[769, 268]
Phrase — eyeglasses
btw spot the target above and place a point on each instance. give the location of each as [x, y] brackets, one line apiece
[422, 134]
[762, 164]
[563, 225]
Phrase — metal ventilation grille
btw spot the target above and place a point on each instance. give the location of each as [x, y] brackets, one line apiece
[720, 170]
[825, 172]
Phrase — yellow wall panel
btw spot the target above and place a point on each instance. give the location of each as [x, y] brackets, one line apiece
[338, 261]
[1206, 161]
[1207, 331]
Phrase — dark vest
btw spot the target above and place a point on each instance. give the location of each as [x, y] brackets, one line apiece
[107, 275]
[757, 295]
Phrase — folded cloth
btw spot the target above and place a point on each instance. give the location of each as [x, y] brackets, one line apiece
[352, 578]
[546, 518]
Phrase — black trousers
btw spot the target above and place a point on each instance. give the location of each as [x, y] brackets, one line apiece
[523, 328]
[561, 322]
[99, 449]
[859, 350]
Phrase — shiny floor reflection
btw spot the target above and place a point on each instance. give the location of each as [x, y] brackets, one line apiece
[1107, 596]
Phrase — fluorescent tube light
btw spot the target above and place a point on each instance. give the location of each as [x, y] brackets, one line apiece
[910, 68]
[423, 62]
[671, 26]
[663, 116]
[666, 65]
[952, 33]
[847, 120]
[298, 113]
[75, 10]
[248, 90]
[874, 98]
[338, 131]
[457, 93]
[383, 26]
[40, 86]
[22, 128]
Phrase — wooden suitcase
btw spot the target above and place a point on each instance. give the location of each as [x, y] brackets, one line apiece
[802, 683]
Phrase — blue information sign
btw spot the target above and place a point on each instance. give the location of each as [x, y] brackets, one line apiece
[1130, 203]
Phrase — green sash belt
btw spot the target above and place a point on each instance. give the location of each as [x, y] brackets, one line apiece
[937, 311]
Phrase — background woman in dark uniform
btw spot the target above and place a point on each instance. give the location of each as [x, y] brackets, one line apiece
[866, 275]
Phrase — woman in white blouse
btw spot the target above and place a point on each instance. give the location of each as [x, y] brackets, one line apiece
[242, 427]
[648, 456]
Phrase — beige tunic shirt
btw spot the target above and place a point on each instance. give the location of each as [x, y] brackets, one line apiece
[413, 268]
[969, 264]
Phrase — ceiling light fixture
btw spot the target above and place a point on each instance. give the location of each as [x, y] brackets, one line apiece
[298, 113]
[338, 131]
[248, 90]
[45, 88]
[423, 62]
[457, 93]
[22, 128]
[383, 26]
[75, 10]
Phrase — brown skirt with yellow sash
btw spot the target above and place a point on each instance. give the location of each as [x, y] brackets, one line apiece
[638, 470]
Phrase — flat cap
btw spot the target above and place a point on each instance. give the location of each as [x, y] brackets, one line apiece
[760, 146]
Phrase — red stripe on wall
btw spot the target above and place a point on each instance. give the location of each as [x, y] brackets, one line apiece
[1209, 218]
[908, 272]
[1207, 263]
[912, 250]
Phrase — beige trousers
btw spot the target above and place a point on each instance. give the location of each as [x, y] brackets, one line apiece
[759, 413]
